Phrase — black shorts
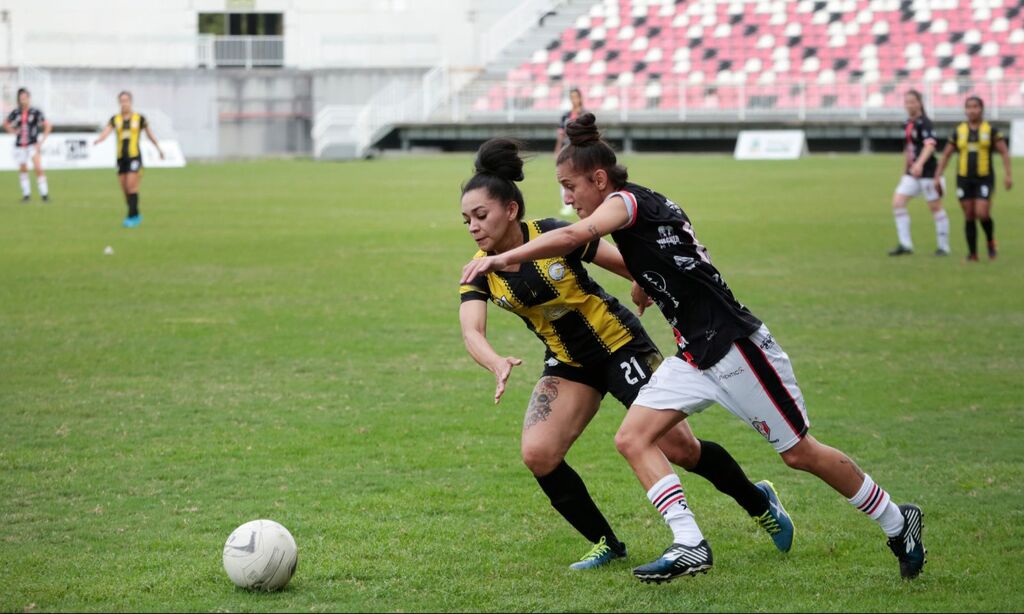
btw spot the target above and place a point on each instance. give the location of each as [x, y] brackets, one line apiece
[968, 188]
[623, 373]
[129, 165]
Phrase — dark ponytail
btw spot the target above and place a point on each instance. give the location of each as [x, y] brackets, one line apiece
[588, 152]
[497, 168]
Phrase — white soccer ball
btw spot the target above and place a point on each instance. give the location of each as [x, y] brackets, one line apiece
[260, 555]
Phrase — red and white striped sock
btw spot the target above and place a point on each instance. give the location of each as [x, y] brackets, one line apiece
[668, 498]
[875, 502]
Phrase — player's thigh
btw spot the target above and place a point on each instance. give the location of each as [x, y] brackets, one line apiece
[37, 163]
[675, 391]
[932, 194]
[757, 385]
[122, 180]
[559, 410]
[131, 181]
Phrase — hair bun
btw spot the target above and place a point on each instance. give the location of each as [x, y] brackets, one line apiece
[500, 158]
[583, 130]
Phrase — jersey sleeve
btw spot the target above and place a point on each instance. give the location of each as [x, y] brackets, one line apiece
[996, 135]
[927, 131]
[142, 121]
[40, 118]
[12, 116]
[585, 252]
[477, 288]
[111, 122]
[632, 207]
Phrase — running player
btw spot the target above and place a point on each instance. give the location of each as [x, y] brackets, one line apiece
[576, 100]
[594, 345]
[919, 148]
[25, 122]
[973, 140]
[129, 126]
[726, 355]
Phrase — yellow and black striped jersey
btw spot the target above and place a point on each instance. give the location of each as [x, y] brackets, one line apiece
[128, 133]
[579, 323]
[975, 148]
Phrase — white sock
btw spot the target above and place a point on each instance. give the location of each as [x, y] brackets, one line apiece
[668, 498]
[903, 227]
[875, 502]
[26, 187]
[44, 189]
[941, 229]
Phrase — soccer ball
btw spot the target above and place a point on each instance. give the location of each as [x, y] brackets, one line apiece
[260, 555]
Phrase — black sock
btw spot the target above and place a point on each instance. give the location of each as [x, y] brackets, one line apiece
[133, 204]
[717, 466]
[971, 230]
[989, 227]
[569, 495]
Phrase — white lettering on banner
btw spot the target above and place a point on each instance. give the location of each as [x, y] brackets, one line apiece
[64, 150]
[770, 145]
[1017, 138]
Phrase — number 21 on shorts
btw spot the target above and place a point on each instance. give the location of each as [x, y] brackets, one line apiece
[629, 367]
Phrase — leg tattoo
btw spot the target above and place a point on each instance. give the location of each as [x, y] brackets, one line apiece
[540, 403]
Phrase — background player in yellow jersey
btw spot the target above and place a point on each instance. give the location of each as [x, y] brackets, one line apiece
[595, 345]
[129, 126]
[974, 140]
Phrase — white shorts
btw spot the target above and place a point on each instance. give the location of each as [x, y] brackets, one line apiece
[754, 381]
[22, 155]
[921, 186]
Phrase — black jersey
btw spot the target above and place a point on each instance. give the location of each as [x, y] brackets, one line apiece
[916, 134]
[974, 146]
[664, 256]
[580, 324]
[27, 123]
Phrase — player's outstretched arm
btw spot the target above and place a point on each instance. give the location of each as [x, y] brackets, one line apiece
[152, 139]
[947, 153]
[103, 135]
[8, 127]
[609, 216]
[473, 318]
[1005, 153]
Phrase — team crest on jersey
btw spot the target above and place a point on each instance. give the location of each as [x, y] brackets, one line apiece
[667, 237]
[556, 271]
[762, 427]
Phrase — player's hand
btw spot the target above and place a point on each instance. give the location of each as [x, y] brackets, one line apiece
[1008, 183]
[501, 372]
[640, 298]
[161, 154]
[482, 266]
[916, 170]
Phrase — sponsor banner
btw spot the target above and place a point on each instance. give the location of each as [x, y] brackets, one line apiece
[75, 150]
[1017, 138]
[770, 145]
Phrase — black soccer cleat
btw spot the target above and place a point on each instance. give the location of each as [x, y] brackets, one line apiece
[678, 560]
[907, 546]
[993, 253]
[900, 250]
[26, 198]
[46, 198]
[941, 252]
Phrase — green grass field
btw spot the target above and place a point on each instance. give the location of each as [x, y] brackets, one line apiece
[280, 339]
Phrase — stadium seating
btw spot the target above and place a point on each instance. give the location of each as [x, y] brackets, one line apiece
[775, 54]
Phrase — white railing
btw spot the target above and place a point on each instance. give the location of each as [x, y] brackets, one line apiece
[525, 101]
[511, 26]
[239, 51]
[348, 131]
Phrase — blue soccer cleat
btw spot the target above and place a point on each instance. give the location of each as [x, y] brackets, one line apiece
[678, 560]
[775, 520]
[907, 546]
[132, 222]
[601, 554]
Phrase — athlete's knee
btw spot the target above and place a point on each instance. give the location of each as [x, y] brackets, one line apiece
[630, 443]
[541, 459]
[803, 456]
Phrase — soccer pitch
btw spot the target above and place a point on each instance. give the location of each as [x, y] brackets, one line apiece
[280, 340]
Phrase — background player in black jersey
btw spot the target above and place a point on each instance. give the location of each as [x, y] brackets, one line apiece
[594, 345]
[726, 355]
[919, 144]
[25, 123]
[974, 140]
[576, 102]
[129, 126]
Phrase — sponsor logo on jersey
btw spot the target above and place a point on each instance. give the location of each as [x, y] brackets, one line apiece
[667, 236]
[733, 374]
[768, 342]
[659, 285]
[685, 262]
[556, 271]
[551, 362]
[504, 303]
[710, 333]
